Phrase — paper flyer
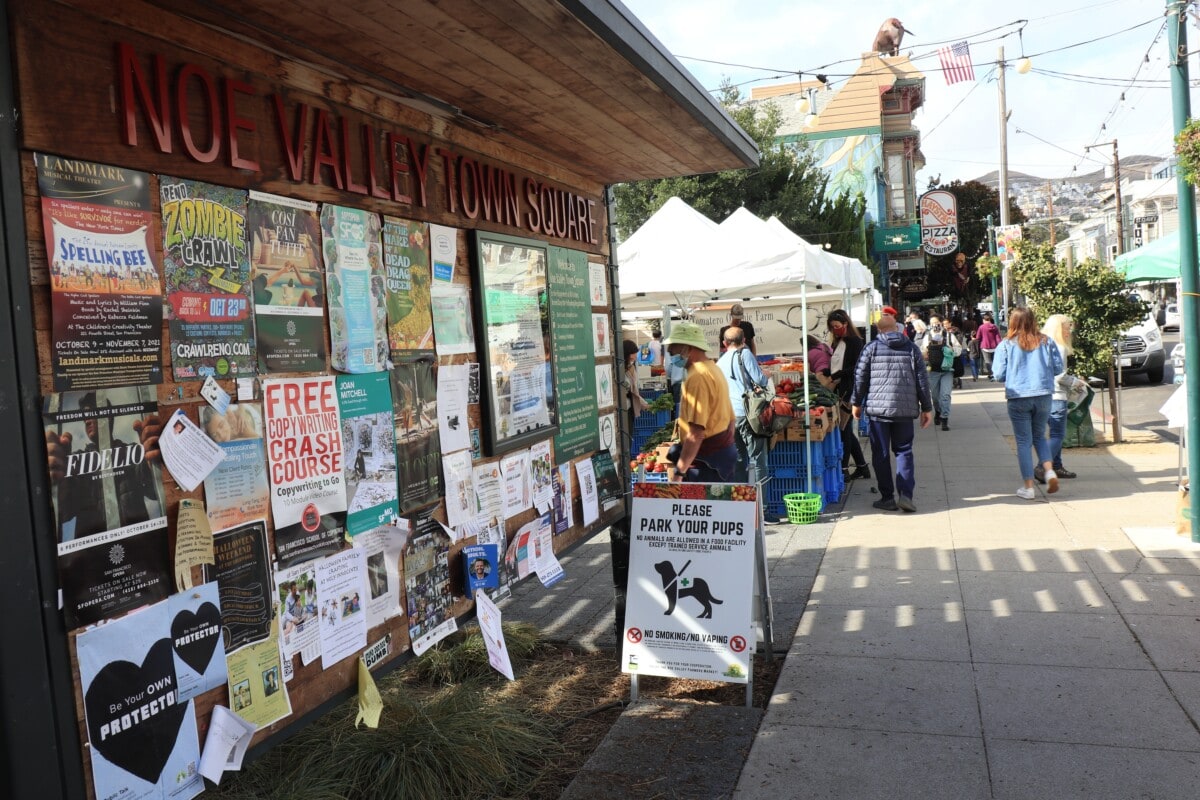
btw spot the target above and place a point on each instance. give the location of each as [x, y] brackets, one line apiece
[105, 284]
[236, 490]
[384, 548]
[418, 444]
[142, 734]
[187, 452]
[427, 583]
[225, 745]
[473, 383]
[195, 617]
[304, 456]
[444, 251]
[244, 578]
[546, 564]
[108, 499]
[518, 495]
[489, 491]
[480, 562]
[541, 474]
[206, 262]
[214, 395]
[377, 652]
[460, 490]
[453, 330]
[604, 386]
[406, 264]
[257, 690]
[608, 482]
[296, 606]
[601, 341]
[452, 407]
[520, 553]
[563, 510]
[370, 704]
[493, 634]
[289, 285]
[368, 450]
[354, 278]
[598, 284]
[342, 596]
[587, 491]
[193, 541]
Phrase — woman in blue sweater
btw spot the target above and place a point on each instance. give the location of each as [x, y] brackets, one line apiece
[1027, 362]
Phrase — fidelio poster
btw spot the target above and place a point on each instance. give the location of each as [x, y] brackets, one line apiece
[289, 286]
[109, 506]
[207, 265]
[406, 261]
[369, 450]
[354, 278]
[106, 294]
[418, 442]
[304, 462]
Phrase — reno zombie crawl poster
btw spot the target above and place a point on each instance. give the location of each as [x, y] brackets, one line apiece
[207, 264]
[106, 297]
[304, 460]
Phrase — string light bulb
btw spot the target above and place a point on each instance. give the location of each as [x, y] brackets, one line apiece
[1024, 65]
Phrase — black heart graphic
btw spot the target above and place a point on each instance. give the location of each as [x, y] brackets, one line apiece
[139, 735]
[196, 635]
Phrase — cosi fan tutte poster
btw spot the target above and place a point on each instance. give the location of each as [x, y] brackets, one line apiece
[105, 288]
[207, 265]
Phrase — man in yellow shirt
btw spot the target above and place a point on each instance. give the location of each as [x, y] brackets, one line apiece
[706, 452]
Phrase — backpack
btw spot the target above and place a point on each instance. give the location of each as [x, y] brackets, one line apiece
[766, 415]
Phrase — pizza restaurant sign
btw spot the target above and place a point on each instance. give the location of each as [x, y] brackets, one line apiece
[939, 222]
[242, 127]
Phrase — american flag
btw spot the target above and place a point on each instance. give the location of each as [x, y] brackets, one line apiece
[956, 62]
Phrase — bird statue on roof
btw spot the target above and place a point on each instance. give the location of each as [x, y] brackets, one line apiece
[891, 33]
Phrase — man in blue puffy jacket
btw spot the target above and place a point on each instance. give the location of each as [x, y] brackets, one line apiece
[892, 388]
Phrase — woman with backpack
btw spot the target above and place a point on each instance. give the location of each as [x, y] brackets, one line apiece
[941, 348]
[847, 347]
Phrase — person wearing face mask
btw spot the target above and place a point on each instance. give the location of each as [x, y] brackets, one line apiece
[706, 452]
[941, 348]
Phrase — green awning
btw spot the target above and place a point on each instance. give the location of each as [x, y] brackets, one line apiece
[1157, 261]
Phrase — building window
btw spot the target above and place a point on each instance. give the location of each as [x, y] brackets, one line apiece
[897, 174]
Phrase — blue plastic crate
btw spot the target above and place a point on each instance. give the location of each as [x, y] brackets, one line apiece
[834, 481]
[791, 454]
[650, 477]
[832, 446]
[776, 488]
[651, 422]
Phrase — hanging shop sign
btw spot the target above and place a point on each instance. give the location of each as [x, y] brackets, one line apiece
[1007, 237]
[939, 222]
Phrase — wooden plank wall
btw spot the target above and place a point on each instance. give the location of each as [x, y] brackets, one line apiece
[67, 106]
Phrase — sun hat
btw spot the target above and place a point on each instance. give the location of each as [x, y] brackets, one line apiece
[688, 333]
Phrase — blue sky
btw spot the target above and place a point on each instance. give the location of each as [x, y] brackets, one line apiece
[1057, 116]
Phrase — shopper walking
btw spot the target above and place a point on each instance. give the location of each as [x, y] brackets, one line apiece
[743, 374]
[1027, 362]
[940, 348]
[706, 452]
[989, 339]
[847, 347]
[891, 387]
[1058, 329]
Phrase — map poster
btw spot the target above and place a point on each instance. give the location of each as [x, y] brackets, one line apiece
[141, 731]
[689, 612]
[567, 278]
[107, 493]
[289, 286]
[304, 461]
[105, 286]
[368, 450]
[406, 263]
[244, 584]
[236, 490]
[418, 442]
[206, 260]
[355, 284]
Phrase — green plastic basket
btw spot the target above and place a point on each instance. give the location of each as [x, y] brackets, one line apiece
[802, 508]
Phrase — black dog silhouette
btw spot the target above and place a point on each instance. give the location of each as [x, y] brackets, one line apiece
[698, 589]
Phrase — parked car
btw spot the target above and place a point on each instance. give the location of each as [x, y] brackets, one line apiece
[1140, 351]
[1171, 319]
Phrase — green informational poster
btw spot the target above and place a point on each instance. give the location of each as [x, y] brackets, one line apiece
[574, 357]
[368, 450]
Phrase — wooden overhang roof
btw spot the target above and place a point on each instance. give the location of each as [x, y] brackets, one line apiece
[580, 82]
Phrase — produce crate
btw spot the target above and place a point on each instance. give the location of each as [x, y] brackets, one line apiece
[650, 477]
[790, 455]
[775, 489]
[649, 422]
[833, 483]
[833, 447]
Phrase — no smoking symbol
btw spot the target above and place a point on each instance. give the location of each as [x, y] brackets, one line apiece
[738, 644]
[634, 635]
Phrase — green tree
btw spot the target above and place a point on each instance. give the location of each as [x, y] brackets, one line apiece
[786, 184]
[1092, 294]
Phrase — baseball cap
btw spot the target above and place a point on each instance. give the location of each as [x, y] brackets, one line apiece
[735, 310]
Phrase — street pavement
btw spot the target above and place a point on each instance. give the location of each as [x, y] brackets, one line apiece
[983, 647]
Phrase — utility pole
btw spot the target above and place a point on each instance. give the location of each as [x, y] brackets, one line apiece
[1189, 280]
[1003, 179]
[1050, 210]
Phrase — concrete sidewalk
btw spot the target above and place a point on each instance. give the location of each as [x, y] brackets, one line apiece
[984, 647]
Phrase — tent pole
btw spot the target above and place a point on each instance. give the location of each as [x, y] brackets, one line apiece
[807, 418]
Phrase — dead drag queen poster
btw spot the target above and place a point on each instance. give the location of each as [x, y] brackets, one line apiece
[354, 279]
[289, 286]
[207, 264]
[142, 734]
[105, 289]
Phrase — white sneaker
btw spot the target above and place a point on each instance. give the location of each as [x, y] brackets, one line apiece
[1026, 493]
[1051, 481]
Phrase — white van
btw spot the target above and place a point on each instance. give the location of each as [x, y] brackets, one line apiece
[1140, 351]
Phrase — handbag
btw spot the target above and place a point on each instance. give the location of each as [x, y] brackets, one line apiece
[762, 414]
